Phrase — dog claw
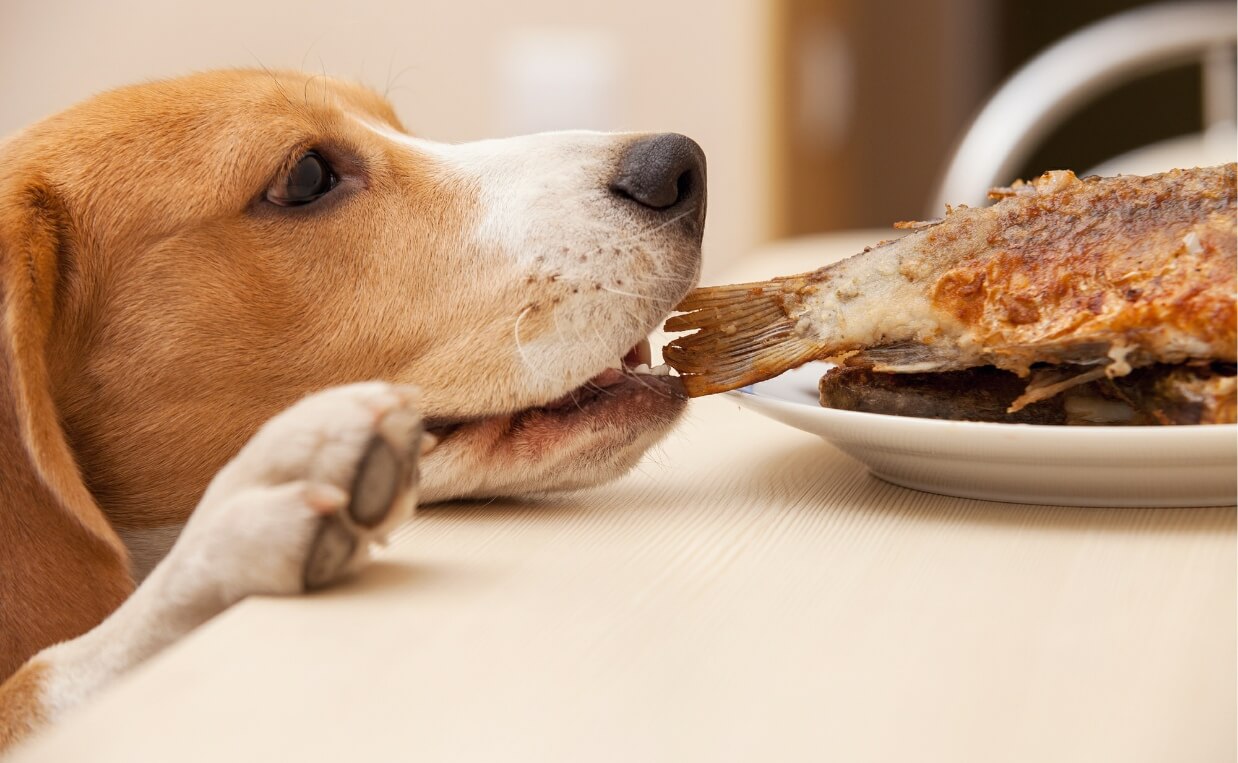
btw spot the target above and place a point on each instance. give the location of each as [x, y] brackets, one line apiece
[329, 554]
[380, 476]
[383, 486]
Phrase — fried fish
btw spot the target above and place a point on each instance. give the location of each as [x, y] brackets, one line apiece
[1063, 281]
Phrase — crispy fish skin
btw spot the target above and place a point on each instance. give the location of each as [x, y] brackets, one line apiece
[1153, 395]
[1111, 272]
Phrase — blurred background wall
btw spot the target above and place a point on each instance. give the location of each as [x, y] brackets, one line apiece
[456, 69]
[877, 93]
[815, 114]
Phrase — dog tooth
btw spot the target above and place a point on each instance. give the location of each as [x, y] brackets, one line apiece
[642, 368]
[661, 370]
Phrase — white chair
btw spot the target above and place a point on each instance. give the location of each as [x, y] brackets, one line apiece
[1087, 63]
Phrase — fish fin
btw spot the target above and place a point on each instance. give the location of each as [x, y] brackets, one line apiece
[744, 335]
[909, 358]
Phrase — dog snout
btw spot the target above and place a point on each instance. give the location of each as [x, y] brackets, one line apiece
[664, 172]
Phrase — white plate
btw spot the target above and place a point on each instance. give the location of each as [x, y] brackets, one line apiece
[1020, 463]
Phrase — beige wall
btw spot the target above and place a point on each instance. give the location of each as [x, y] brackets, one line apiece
[466, 69]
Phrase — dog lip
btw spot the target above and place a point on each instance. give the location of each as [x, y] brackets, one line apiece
[598, 384]
[609, 383]
[583, 398]
[633, 366]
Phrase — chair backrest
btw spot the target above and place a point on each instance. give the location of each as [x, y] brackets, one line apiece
[1087, 63]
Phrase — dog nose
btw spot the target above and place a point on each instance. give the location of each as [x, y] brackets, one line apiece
[661, 171]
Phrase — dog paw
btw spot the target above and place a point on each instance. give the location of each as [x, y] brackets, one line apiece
[300, 504]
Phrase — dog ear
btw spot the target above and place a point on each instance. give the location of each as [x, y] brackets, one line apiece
[64, 566]
[32, 229]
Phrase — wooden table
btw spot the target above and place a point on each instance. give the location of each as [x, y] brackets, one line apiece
[747, 594]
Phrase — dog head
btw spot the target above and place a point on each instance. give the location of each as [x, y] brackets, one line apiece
[222, 244]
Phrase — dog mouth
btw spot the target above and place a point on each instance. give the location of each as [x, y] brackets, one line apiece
[631, 383]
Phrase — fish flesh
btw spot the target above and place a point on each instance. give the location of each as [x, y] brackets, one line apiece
[1062, 281]
[1152, 395]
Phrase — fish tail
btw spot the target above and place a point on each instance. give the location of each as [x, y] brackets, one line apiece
[744, 334]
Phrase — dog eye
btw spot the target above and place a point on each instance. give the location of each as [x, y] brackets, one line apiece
[310, 179]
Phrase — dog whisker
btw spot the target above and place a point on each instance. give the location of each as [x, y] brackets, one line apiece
[524, 358]
[622, 293]
[279, 88]
[638, 235]
[393, 83]
[575, 402]
[610, 289]
[310, 49]
[655, 228]
[649, 278]
[600, 390]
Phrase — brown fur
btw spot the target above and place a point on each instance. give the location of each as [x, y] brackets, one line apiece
[158, 367]
[23, 711]
[44, 506]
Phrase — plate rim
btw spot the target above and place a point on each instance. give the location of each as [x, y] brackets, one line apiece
[1068, 443]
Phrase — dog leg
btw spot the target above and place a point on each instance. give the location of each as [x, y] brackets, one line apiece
[295, 510]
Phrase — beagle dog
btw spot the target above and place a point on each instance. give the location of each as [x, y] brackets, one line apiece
[248, 322]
